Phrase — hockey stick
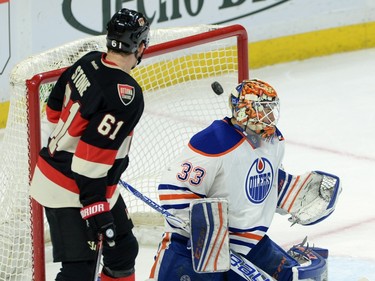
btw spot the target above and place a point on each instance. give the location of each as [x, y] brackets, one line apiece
[99, 248]
[238, 264]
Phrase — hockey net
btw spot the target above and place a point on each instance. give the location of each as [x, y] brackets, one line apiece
[175, 74]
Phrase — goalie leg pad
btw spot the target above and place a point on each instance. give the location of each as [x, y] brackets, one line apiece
[173, 262]
[209, 235]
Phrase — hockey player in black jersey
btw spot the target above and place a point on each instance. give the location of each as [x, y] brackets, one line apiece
[92, 111]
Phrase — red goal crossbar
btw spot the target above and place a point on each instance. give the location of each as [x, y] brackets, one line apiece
[34, 127]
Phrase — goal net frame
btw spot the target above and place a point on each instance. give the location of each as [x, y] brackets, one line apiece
[33, 101]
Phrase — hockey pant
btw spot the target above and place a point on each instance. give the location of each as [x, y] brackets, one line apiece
[74, 244]
[173, 261]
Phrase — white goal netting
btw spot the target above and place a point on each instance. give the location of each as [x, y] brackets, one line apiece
[179, 101]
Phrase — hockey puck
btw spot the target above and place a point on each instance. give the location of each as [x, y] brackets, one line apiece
[217, 88]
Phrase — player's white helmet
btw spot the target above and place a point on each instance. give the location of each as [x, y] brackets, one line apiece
[255, 105]
[127, 29]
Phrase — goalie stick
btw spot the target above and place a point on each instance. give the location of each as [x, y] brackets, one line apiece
[238, 264]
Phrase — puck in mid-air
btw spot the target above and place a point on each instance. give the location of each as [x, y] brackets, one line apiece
[217, 88]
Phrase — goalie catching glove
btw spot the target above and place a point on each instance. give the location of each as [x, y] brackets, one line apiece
[308, 198]
[100, 220]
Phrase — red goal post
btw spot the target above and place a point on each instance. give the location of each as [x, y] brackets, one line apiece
[173, 66]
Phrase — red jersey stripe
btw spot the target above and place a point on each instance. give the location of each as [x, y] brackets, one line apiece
[95, 154]
[64, 181]
[52, 115]
[66, 112]
[110, 190]
[78, 125]
[57, 177]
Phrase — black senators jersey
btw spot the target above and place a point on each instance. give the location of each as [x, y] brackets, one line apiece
[93, 109]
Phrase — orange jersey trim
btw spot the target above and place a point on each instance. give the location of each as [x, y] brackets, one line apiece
[248, 235]
[178, 196]
[217, 154]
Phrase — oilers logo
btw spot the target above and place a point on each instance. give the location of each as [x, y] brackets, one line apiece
[259, 180]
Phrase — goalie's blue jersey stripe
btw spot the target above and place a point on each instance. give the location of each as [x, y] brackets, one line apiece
[176, 187]
[211, 142]
[172, 187]
[253, 229]
[175, 206]
[288, 180]
[241, 243]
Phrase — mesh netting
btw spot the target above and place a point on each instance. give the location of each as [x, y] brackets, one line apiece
[178, 103]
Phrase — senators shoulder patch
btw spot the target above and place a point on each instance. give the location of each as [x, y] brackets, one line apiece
[126, 93]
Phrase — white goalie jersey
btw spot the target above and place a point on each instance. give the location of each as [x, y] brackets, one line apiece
[221, 162]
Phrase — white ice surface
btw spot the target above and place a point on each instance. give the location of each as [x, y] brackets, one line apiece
[328, 121]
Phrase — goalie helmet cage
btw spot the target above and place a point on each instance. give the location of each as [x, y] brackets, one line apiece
[176, 73]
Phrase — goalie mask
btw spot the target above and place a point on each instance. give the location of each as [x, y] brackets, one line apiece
[255, 105]
[127, 29]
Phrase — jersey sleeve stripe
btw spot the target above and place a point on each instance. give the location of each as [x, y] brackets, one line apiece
[56, 176]
[53, 116]
[63, 181]
[95, 154]
[124, 148]
[176, 206]
[244, 242]
[178, 196]
[89, 169]
[78, 125]
[253, 229]
[164, 190]
[248, 235]
[247, 244]
[110, 191]
[283, 186]
[172, 187]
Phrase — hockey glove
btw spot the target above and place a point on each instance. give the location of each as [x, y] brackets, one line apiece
[308, 198]
[100, 220]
